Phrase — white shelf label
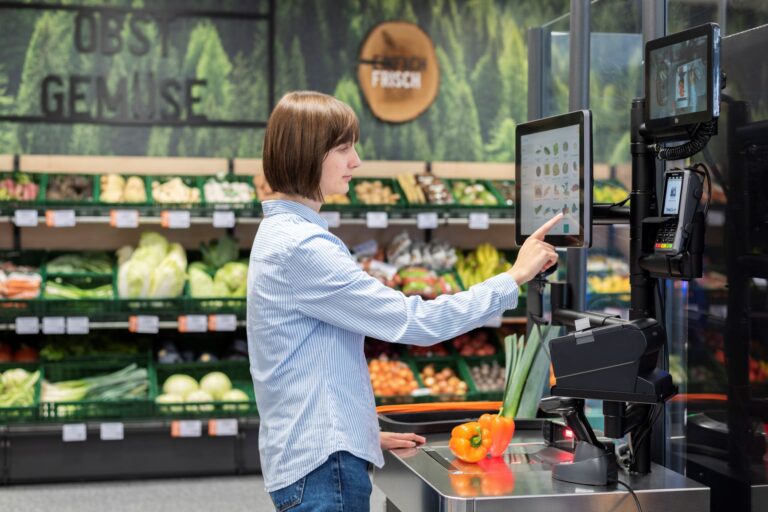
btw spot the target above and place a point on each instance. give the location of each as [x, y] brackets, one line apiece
[193, 323]
[25, 218]
[187, 428]
[144, 324]
[78, 325]
[74, 432]
[175, 219]
[224, 219]
[581, 324]
[332, 218]
[478, 221]
[112, 431]
[222, 427]
[377, 220]
[426, 220]
[27, 325]
[124, 218]
[222, 323]
[54, 325]
[421, 392]
[60, 218]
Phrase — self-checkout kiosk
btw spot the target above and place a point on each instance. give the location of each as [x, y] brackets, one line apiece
[563, 464]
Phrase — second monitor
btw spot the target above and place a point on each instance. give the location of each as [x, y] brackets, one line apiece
[553, 171]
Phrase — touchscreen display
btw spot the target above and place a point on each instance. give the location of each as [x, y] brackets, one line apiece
[678, 77]
[672, 197]
[549, 180]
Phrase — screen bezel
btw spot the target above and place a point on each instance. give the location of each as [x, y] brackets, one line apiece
[667, 178]
[582, 118]
[712, 32]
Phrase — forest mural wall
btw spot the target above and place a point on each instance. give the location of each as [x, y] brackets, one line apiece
[197, 84]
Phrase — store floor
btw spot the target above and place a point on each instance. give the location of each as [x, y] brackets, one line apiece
[222, 494]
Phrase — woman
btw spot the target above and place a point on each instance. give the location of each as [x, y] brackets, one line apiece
[310, 307]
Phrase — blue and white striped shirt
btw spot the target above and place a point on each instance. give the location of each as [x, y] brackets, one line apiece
[309, 308]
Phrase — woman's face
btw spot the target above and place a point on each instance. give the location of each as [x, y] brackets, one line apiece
[337, 169]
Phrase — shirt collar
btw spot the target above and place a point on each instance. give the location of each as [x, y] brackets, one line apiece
[278, 206]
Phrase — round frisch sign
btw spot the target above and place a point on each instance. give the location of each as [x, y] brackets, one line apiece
[398, 71]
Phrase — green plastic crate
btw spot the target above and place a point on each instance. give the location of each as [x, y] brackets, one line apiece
[460, 370]
[126, 205]
[405, 399]
[190, 181]
[473, 361]
[237, 371]
[12, 308]
[23, 414]
[359, 206]
[242, 205]
[9, 205]
[464, 209]
[94, 409]
[88, 201]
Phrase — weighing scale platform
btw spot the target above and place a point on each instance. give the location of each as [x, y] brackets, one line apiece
[429, 478]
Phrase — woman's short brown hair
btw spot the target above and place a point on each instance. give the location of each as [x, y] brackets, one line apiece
[302, 129]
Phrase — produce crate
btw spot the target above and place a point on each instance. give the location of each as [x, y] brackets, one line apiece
[234, 305]
[477, 361]
[241, 205]
[237, 371]
[504, 189]
[500, 209]
[190, 181]
[418, 397]
[460, 370]
[396, 209]
[11, 308]
[93, 409]
[26, 414]
[88, 201]
[133, 205]
[9, 205]
[76, 306]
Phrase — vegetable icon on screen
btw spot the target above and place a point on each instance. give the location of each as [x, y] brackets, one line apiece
[565, 146]
[546, 151]
[556, 170]
[555, 148]
[538, 208]
[546, 169]
[565, 167]
[538, 170]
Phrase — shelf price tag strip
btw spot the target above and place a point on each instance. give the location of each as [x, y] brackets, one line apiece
[224, 219]
[78, 325]
[25, 218]
[193, 323]
[187, 428]
[427, 220]
[175, 219]
[222, 427]
[222, 323]
[377, 220]
[124, 218]
[60, 218]
[478, 220]
[27, 325]
[332, 218]
[54, 325]
[74, 432]
[144, 324]
[113, 431]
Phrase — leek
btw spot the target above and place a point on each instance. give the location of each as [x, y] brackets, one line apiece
[130, 382]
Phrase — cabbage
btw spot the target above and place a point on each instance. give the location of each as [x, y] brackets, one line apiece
[180, 385]
[168, 278]
[241, 291]
[200, 283]
[236, 395]
[133, 278]
[220, 289]
[216, 383]
[232, 275]
[15, 377]
[169, 399]
[151, 239]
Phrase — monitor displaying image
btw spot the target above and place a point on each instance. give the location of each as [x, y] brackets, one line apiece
[679, 74]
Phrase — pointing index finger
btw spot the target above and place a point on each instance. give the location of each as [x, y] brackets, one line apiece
[543, 230]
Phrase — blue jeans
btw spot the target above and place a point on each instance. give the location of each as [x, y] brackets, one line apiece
[340, 484]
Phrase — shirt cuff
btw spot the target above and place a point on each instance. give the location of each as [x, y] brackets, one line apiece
[506, 290]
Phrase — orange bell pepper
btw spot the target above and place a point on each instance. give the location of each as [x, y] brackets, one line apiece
[470, 442]
[502, 429]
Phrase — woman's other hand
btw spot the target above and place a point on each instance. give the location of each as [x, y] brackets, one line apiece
[394, 440]
[535, 255]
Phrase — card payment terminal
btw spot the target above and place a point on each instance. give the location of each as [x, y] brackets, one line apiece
[682, 191]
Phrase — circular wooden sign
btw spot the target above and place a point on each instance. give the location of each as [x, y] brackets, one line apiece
[398, 71]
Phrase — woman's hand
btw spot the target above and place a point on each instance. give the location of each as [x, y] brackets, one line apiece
[394, 440]
[535, 255]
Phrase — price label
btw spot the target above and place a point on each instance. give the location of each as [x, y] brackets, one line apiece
[74, 432]
[421, 392]
[144, 324]
[187, 428]
[224, 219]
[478, 221]
[25, 218]
[112, 431]
[27, 325]
[54, 325]
[223, 427]
[494, 322]
[222, 323]
[175, 219]
[426, 220]
[193, 323]
[78, 325]
[124, 218]
[60, 218]
[581, 324]
[332, 218]
[377, 220]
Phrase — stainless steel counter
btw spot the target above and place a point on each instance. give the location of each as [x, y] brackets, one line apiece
[430, 479]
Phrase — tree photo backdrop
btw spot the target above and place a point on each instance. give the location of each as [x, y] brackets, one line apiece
[176, 77]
